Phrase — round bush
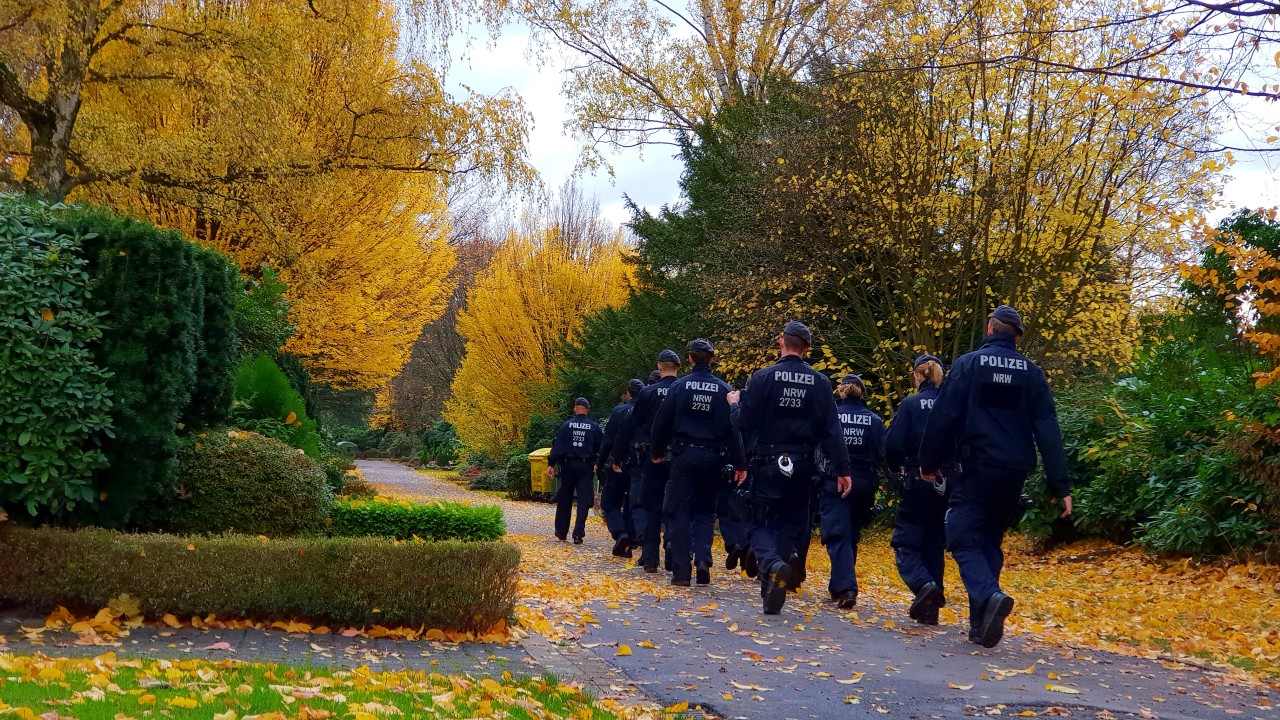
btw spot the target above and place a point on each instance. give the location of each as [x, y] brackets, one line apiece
[236, 481]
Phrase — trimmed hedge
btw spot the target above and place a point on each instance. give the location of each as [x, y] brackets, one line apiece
[348, 581]
[402, 520]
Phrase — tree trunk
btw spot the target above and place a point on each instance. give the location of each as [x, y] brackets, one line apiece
[47, 175]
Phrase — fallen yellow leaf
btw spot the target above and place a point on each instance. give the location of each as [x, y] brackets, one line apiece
[623, 651]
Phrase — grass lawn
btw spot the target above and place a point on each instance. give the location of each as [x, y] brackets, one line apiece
[107, 688]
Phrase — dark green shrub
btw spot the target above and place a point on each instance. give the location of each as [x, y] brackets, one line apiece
[235, 481]
[149, 286]
[398, 445]
[266, 403]
[365, 439]
[519, 482]
[54, 402]
[217, 354]
[335, 469]
[384, 517]
[482, 460]
[262, 316]
[490, 480]
[338, 581]
[439, 445]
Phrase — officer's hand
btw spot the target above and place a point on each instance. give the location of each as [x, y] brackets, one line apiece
[928, 477]
[733, 396]
[551, 472]
[656, 459]
[740, 476]
[844, 484]
[1066, 505]
[617, 467]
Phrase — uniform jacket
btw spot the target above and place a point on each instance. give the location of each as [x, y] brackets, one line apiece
[578, 438]
[639, 424]
[862, 431]
[902, 443]
[995, 408]
[789, 404]
[696, 411]
[616, 420]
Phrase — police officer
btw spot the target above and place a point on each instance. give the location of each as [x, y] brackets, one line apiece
[845, 512]
[789, 410]
[693, 424]
[994, 409]
[615, 486]
[919, 537]
[654, 483]
[574, 452]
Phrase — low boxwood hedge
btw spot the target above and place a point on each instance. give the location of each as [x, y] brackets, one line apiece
[451, 585]
[384, 517]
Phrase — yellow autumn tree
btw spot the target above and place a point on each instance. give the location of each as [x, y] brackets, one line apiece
[300, 135]
[530, 301]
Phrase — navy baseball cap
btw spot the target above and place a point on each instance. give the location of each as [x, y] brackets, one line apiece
[1009, 316]
[654, 377]
[583, 402]
[669, 356]
[634, 386]
[852, 379]
[701, 345]
[798, 330]
[924, 359]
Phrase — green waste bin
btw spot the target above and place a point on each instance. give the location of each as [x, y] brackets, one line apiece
[538, 473]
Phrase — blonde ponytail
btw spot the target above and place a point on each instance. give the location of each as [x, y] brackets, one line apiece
[931, 371]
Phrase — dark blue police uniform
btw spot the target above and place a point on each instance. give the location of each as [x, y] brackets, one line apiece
[843, 518]
[693, 423]
[789, 410]
[574, 451]
[994, 410]
[654, 476]
[615, 485]
[919, 535]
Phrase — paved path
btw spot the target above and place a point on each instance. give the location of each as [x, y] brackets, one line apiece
[712, 647]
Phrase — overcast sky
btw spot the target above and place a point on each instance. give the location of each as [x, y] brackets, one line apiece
[650, 176]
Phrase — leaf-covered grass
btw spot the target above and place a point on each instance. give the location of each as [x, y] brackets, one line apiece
[108, 688]
[451, 585]
[403, 520]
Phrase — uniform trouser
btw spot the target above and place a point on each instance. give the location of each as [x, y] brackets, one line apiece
[690, 507]
[779, 511]
[812, 520]
[575, 480]
[732, 528]
[983, 503]
[843, 519]
[635, 476]
[919, 532]
[615, 501]
[652, 492]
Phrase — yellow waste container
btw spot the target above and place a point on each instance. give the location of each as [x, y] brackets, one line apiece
[538, 472]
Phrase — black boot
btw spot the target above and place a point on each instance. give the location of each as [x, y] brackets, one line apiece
[704, 574]
[732, 554]
[622, 548]
[997, 609]
[750, 565]
[846, 600]
[773, 587]
[929, 598]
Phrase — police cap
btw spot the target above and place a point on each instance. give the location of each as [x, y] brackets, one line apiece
[1009, 316]
[634, 386]
[798, 330]
[668, 356]
[924, 359]
[654, 377]
[582, 402]
[701, 345]
[852, 379]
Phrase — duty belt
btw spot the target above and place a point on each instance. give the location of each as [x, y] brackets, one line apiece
[699, 446]
[765, 452]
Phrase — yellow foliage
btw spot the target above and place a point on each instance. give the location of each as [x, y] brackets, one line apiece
[532, 299]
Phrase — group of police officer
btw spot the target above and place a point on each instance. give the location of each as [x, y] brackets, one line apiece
[681, 451]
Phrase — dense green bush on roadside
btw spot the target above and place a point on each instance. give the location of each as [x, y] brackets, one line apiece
[217, 353]
[267, 403]
[519, 481]
[54, 403]
[383, 517]
[495, 479]
[234, 481]
[345, 581]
